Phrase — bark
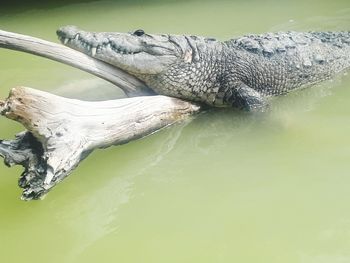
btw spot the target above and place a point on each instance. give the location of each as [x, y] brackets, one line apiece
[61, 132]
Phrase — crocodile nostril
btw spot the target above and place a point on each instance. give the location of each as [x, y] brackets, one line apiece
[60, 33]
[139, 32]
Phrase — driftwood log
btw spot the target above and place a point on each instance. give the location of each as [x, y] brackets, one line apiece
[61, 132]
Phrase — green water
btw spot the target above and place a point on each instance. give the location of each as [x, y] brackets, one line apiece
[225, 187]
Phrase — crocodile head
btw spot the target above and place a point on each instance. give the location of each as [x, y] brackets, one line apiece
[174, 65]
[136, 52]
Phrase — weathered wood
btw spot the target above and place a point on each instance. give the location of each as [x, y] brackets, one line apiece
[62, 132]
[129, 84]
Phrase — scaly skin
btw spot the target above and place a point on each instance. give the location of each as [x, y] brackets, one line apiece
[241, 72]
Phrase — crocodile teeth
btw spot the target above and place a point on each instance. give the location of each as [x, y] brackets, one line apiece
[65, 41]
[48, 178]
[76, 37]
[93, 51]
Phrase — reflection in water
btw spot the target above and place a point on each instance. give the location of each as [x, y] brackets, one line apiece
[93, 89]
[99, 209]
[98, 213]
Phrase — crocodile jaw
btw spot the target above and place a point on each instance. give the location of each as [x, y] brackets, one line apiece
[135, 53]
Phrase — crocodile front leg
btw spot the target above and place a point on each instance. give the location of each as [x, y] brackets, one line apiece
[245, 98]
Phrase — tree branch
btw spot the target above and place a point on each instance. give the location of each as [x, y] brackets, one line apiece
[129, 84]
[62, 132]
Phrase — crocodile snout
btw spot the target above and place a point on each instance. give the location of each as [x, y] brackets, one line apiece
[67, 32]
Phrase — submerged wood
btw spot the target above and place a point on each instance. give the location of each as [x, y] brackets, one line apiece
[128, 83]
[61, 132]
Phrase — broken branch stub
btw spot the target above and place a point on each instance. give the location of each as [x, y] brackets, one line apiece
[62, 132]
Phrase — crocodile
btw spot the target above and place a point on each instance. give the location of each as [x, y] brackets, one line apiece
[242, 72]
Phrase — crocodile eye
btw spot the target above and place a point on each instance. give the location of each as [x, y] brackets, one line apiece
[139, 32]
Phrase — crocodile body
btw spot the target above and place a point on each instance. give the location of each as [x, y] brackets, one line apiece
[242, 72]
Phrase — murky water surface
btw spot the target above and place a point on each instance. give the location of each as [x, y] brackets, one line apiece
[225, 187]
